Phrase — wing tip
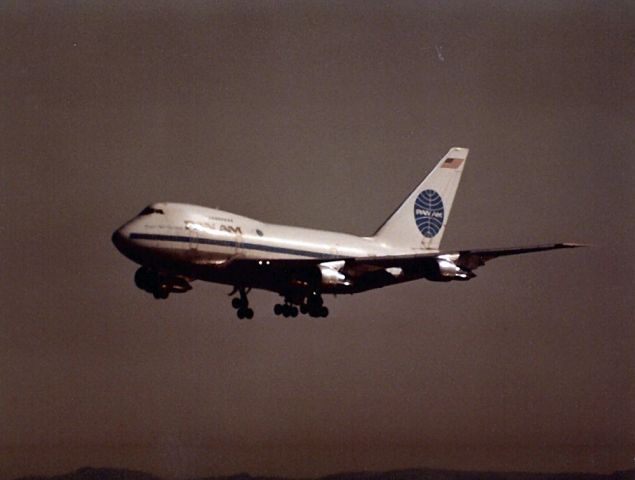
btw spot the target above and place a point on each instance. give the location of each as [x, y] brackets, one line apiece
[573, 245]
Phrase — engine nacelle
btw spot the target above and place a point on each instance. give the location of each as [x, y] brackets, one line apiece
[447, 270]
[150, 281]
[331, 275]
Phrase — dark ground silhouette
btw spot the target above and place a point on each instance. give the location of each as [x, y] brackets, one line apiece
[413, 474]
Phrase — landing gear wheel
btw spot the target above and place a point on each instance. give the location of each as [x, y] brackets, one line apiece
[319, 312]
[241, 304]
[314, 306]
[285, 309]
[245, 313]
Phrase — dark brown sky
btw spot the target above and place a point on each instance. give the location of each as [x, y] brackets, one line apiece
[325, 115]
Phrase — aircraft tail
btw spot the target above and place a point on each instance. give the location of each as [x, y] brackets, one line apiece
[419, 222]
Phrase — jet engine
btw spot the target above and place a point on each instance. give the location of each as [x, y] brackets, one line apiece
[159, 285]
[447, 269]
[331, 274]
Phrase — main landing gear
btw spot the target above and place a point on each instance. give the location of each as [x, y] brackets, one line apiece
[241, 304]
[285, 309]
[313, 305]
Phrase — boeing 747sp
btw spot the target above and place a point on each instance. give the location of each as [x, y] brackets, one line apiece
[175, 244]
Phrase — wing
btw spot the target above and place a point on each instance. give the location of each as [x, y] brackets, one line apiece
[473, 259]
[348, 274]
[468, 259]
[441, 266]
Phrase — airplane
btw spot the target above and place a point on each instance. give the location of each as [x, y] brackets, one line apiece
[176, 243]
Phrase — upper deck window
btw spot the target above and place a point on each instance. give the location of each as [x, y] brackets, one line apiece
[150, 210]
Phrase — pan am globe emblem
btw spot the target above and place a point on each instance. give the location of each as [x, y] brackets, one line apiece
[429, 213]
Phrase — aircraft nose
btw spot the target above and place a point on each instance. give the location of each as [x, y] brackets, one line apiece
[116, 237]
[119, 239]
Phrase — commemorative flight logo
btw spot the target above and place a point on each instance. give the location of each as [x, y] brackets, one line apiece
[429, 213]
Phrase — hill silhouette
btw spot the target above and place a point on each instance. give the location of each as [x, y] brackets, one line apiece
[90, 473]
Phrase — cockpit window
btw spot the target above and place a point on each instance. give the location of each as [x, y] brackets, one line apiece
[150, 210]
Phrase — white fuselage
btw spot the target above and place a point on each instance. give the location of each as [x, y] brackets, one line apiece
[210, 236]
[186, 242]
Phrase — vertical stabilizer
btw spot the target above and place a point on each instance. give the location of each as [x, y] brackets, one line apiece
[420, 220]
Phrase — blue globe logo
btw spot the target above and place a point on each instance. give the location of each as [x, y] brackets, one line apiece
[429, 213]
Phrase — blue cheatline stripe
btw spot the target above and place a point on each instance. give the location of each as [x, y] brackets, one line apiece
[227, 243]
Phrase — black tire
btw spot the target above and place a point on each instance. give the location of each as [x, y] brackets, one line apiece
[236, 303]
[324, 312]
[277, 309]
[294, 312]
[249, 313]
[240, 313]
